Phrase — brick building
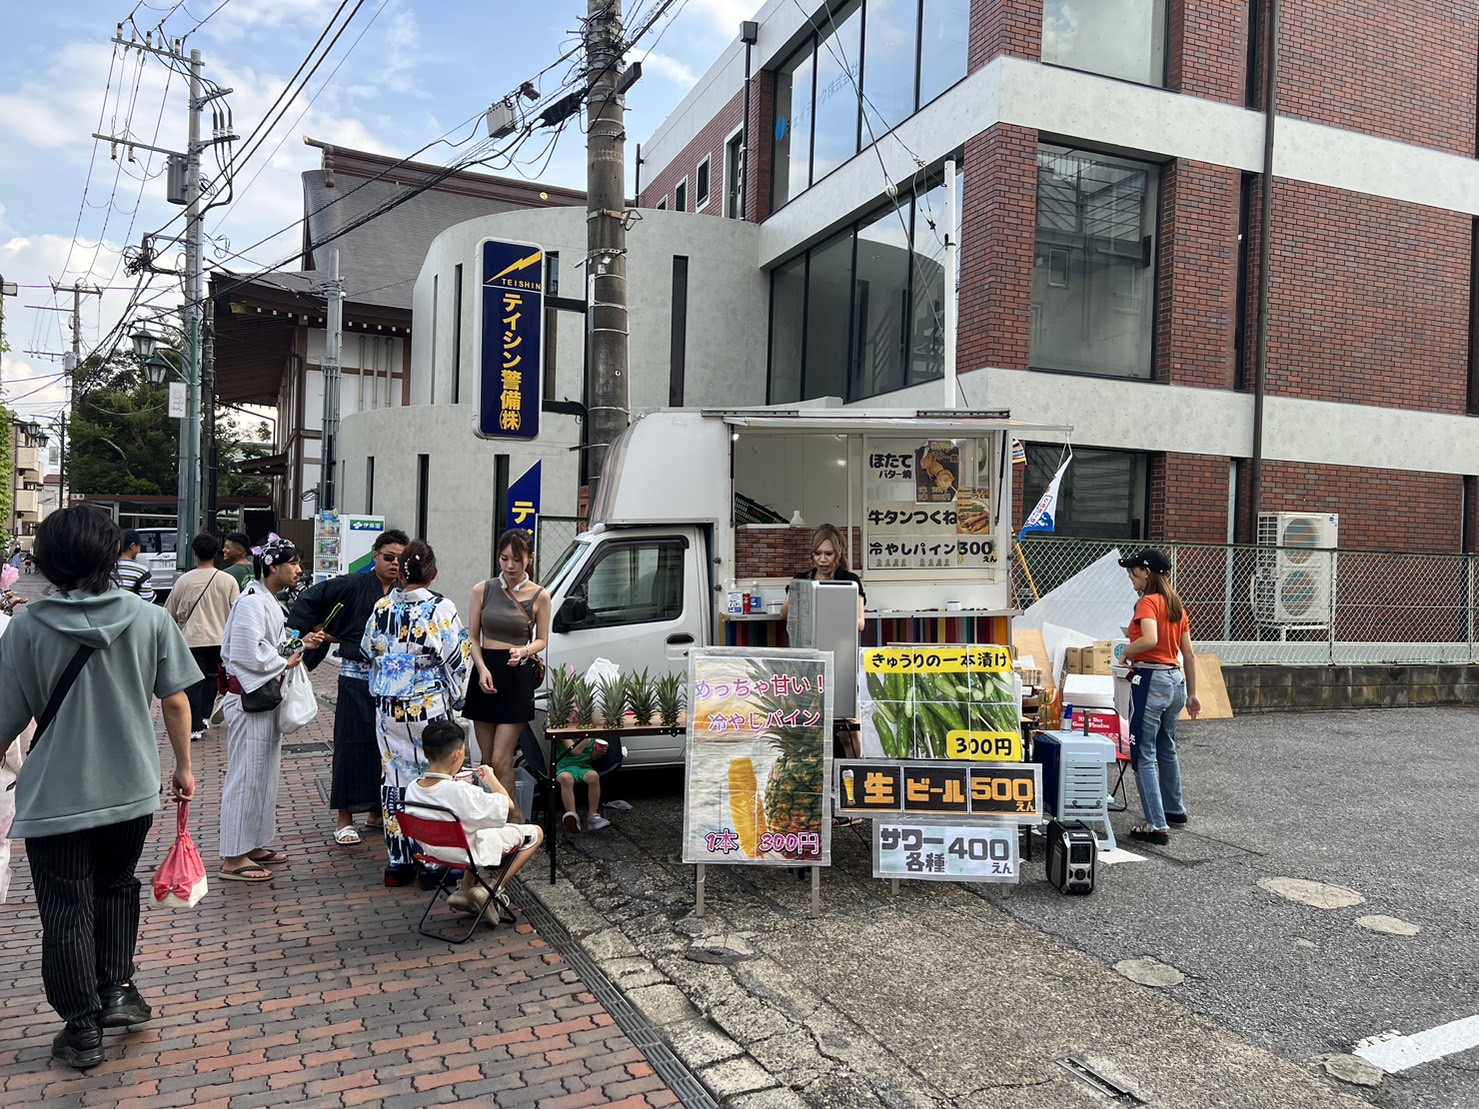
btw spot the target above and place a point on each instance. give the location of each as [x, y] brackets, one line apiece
[1111, 272]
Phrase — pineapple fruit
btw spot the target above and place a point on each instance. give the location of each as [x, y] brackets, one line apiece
[642, 697]
[670, 698]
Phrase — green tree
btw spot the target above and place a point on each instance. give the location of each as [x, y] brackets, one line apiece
[235, 445]
[121, 439]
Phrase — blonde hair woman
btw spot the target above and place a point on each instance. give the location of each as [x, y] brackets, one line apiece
[828, 563]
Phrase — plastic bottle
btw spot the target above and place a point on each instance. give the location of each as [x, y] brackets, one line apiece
[757, 600]
[734, 600]
[1068, 718]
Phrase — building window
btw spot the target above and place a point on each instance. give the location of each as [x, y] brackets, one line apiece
[423, 493]
[701, 186]
[662, 205]
[436, 279]
[1104, 494]
[1118, 38]
[734, 178]
[863, 313]
[900, 53]
[457, 339]
[369, 484]
[680, 196]
[1093, 287]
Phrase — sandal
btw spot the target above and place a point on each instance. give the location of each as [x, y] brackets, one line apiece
[252, 872]
[346, 835]
[267, 855]
[1161, 836]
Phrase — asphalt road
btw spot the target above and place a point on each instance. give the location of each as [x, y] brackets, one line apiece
[1378, 802]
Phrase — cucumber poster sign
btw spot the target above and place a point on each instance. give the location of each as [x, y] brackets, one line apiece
[939, 702]
[759, 757]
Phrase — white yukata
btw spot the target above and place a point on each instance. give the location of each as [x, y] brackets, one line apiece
[251, 654]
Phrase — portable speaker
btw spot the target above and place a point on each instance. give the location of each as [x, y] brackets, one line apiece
[1072, 854]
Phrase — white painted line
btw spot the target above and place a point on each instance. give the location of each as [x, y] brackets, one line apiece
[1405, 1052]
[1114, 855]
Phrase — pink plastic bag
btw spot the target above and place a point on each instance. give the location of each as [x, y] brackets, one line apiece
[180, 881]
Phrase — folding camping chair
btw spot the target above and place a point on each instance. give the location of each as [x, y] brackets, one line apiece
[446, 831]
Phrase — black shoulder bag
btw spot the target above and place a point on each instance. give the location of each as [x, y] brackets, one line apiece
[59, 694]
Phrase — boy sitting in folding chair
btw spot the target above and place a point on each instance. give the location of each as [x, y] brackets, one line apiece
[483, 814]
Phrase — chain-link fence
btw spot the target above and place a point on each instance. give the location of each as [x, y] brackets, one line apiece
[553, 535]
[1295, 605]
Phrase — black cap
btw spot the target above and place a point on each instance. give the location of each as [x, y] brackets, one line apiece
[1150, 558]
[131, 538]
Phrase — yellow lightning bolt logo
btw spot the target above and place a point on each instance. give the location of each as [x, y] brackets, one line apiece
[521, 264]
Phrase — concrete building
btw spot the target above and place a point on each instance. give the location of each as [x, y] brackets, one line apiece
[695, 296]
[1112, 160]
[28, 456]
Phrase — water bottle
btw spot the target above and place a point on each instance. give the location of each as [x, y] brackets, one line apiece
[1068, 718]
[757, 601]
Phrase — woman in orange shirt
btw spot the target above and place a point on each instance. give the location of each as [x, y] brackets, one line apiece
[1160, 642]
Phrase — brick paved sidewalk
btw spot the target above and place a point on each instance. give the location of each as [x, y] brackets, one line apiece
[315, 988]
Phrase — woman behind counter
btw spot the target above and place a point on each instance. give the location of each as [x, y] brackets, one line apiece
[829, 563]
[1160, 642]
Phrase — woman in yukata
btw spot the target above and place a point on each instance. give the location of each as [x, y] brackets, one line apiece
[419, 667]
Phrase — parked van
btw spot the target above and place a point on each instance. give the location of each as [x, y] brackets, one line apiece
[159, 555]
[923, 498]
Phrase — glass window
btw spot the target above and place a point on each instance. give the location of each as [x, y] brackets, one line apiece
[662, 205]
[701, 185]
[1119, 38]
[891, 33]
[1104, 494]
[629, 583]
[944, 35]
[680, 196]
[790, 165]
[880, 304]
[1093, 287]
[828, 311]
[734, 179]
[927, 346]
[838, 56]
[787, 324]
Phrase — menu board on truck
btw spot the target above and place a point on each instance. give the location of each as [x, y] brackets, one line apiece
[759, 757]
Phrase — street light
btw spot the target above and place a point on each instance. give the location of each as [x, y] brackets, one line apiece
[157, 367]
[144, 344]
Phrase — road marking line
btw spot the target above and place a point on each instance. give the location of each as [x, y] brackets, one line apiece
[1405, 1052]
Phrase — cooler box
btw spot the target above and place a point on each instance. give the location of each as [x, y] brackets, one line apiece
[1075, 778]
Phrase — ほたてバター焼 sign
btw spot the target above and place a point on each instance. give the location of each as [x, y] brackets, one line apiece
[511, 339]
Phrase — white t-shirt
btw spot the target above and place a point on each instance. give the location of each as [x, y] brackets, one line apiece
[484, 818]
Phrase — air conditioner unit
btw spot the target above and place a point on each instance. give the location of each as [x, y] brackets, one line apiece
[1294, 577]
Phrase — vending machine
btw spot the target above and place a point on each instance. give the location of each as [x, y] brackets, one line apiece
[343, 543]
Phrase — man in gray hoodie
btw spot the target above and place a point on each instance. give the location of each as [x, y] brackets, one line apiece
[89, 787]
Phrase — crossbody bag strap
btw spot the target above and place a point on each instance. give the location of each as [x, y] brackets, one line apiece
[210, 581]
[520, 605]
[59, 694]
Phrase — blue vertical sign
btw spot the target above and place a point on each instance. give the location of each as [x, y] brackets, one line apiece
[523, 501]
[511, 344]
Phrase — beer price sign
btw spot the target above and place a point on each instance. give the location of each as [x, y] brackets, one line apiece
[877, 787]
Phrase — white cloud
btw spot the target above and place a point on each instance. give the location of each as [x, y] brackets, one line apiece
[671, 69]
[244, 17]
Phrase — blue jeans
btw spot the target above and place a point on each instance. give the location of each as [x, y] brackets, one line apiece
[1156, 700]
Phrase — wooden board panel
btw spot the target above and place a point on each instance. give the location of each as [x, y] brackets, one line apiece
[1212, 689]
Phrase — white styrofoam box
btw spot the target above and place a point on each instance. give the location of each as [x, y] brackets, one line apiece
[1094, 691]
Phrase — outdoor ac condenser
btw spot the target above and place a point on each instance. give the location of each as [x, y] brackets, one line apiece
[1292, 584]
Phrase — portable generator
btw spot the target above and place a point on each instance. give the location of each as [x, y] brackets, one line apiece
[1072, 854]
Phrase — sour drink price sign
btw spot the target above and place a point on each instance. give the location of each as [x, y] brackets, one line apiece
[945, 852]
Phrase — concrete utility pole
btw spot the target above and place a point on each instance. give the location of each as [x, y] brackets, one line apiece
[333, 354]
[209, 459]
[606, 236]
[192, 312]
[7, 289]
[71, 362]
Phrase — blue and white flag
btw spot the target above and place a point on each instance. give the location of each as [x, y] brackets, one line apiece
[1044, 516]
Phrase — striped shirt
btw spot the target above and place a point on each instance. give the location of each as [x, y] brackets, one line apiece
[133, 576]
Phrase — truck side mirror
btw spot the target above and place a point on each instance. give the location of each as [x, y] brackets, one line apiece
[573, 611]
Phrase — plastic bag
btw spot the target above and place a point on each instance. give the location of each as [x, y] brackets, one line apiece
[601, 670]
[299, 706]
[10, 768]
[180, 881]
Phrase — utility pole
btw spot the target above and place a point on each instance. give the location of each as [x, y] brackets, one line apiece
[192, 311]
[209, 456]
[7, 289]
[606, 237]
[71, 362]
[333, 352]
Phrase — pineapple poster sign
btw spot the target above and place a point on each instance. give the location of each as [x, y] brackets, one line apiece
[759, 757]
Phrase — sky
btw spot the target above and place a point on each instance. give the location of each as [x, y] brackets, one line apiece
[404, 73]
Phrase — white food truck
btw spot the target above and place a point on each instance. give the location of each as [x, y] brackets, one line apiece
[699, 510]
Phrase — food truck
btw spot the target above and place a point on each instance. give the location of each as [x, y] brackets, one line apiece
[703, 518]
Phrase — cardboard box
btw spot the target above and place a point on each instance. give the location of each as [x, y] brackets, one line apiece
[1091, 660]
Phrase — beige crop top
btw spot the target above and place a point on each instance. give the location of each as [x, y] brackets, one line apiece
[503, 620]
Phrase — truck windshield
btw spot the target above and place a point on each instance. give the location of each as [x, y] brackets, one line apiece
[561, 567]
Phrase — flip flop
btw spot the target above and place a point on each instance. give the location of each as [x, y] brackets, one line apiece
[267, 855]
[346, 835]
[252, 872]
